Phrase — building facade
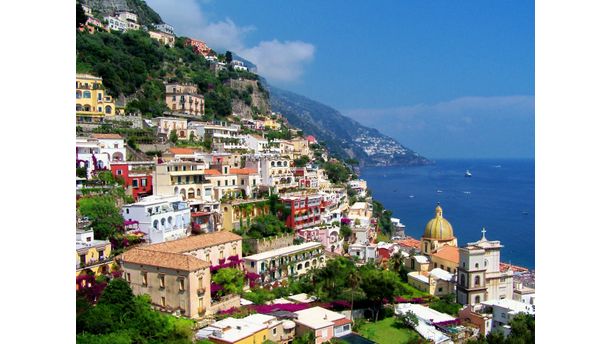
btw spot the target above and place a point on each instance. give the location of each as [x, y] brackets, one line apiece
[184, 98]
[160, 218]
[92, 102]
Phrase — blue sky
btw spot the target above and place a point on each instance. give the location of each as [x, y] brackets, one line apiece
[445, 78]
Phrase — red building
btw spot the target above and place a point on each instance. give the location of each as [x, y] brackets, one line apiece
[140, 183]
[305, 211]
[199, 47]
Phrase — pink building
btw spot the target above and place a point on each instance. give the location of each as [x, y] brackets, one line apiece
[329, 237]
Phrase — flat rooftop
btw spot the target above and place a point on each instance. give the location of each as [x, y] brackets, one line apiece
[284, 251]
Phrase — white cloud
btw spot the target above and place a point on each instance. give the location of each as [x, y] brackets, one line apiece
[275, 60]
[280, 61]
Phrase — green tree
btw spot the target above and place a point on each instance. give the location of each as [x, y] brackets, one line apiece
[336, 172]
[232, 280]
[301, 161]
[345, 231]
[228, 57]
[81, 172]
[378, 285]
[264, 226]
[104, 214]
[522, 329]
[173, 136]
[81, 17]
[353, 279]
[396, 261]
[305, 338]
[408, 319]
[118, 294]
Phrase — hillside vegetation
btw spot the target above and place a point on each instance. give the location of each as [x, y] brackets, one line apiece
[135, 66]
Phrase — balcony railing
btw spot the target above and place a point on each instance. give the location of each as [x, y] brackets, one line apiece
[93, 262]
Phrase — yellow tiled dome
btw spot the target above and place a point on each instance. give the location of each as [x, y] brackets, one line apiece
[438, 228]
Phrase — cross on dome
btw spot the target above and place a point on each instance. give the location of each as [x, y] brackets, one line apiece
[483, 231]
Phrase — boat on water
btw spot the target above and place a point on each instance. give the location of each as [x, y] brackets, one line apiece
[467, 192]
[497, 166]
[411, 196]
[468, 173]
[439, 191]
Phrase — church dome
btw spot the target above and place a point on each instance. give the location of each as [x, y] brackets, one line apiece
[438, 228]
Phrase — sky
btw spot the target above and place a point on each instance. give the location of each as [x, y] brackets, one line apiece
[448, 79]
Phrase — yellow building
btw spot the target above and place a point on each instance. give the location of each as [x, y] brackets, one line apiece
[92, 102]
[236, 331]
[92, 256]
[272, 124]
[238, 212]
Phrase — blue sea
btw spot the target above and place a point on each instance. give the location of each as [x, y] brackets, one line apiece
[499, 196]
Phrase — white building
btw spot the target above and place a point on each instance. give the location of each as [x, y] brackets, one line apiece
[278, 264]
[166, 28]
[325, 323]
[504, 310]
[364, 252]
[103, 148]
[256, 143]
[427, 318]
[160, 218]
[116, 23]
[478, 275]
[230, 330]
[238, 65]
[130, 19]
[274, 170]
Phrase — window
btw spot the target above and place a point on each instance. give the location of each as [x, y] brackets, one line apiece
[242, 182]
[477, 281]
[119, 172]
[503, 315]
[233, 182]
[200, 282]
[162, 281]
[476, 265]
[143, 182]
[163, 301]
[144, 279]
[234, 250]
[439, 290]
[477, 299]
[128, 277]
[226, 182]
[252, 264]
[181, 284]
[135, 183]
[274, 331]
[86, 94]
[435, 265]
[127, 210]
[208, 257]
[218, 183]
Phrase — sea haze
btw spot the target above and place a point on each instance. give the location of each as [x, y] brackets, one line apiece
[499, 196]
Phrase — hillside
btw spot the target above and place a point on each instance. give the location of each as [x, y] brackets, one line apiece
[343, 136]
[146, 15]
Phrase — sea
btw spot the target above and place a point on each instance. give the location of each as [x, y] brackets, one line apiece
[500, 197]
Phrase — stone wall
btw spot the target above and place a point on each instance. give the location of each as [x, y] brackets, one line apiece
[268, 244]
[226, 302]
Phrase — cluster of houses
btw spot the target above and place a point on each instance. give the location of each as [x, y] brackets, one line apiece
[188, 202]
[124, 20]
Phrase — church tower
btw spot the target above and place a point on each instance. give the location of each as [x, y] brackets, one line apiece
[438, 233]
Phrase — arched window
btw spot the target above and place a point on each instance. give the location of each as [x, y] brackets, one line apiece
[299, 267]
[87, 95]
[476, 265]
[198, 192]
[285, 164]
[87, 108]
[99, 96]
[272, 163]
[307, 265]
[99, 109]
[477, 281]
[163, 222]
[108, 109]
[79, 107]
[477, 299]
[79, 95]
[485, 262]
[170, 220]
[155, 224]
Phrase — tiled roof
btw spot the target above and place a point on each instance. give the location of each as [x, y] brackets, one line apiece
[195, 242]
[168, 260]
[243, 171]
[106, 136]
[212, 172]
[181, 150]
[410, 242]
[450, 253]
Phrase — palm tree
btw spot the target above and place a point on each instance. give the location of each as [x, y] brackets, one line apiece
[396, 261]
[353, 281]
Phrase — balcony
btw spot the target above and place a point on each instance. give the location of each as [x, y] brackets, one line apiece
[93, 262]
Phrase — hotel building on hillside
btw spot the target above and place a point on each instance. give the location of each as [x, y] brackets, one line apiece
[92, 256]
[160, 218]
[274, 170]
[184, 98]
[97, 151]
[305, 210]
[177, 274]
[92, 102]
[277, 265]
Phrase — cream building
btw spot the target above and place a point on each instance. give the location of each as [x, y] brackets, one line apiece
[177, 274]
[479, 277]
